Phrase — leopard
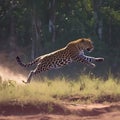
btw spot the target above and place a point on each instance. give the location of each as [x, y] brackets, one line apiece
[72, 52]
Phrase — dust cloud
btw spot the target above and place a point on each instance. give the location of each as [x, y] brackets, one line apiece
[10, 70]
[7, 74]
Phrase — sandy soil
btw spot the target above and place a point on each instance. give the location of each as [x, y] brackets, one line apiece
[76, 112]
[107, 116]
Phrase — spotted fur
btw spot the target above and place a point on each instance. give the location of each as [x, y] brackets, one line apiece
[72, 52]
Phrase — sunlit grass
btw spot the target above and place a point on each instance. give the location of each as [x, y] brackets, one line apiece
[54, 90]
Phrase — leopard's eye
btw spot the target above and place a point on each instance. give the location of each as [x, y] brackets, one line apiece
[88, 49]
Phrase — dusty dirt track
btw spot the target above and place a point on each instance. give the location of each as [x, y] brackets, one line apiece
[74, 112]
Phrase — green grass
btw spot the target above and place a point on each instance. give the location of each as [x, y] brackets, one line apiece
[87, 89]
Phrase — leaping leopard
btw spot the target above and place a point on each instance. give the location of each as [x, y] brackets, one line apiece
[72, 52]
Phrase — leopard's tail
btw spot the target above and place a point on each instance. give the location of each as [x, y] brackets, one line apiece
[27, 64]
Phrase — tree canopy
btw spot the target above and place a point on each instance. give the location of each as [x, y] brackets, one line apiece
[41, 26]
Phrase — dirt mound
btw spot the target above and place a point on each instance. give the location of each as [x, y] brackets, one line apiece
[25, 109]
[92, 109]
[66, 111]
[62, 108]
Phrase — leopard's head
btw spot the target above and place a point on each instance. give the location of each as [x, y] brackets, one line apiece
[86, 44]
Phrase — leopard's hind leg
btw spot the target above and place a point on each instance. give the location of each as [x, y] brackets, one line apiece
[30, 76]
[32, 72]
[40, 68]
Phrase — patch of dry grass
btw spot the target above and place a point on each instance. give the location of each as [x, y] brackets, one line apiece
[94, 89]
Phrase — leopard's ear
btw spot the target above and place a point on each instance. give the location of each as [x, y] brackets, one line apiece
[82, 39]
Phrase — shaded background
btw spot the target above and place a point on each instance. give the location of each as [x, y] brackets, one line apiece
[30, 28]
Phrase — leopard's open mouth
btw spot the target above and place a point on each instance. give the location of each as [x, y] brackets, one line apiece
[89, 49]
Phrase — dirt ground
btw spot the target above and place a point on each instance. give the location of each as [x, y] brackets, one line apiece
[68, 112]
[76, 112]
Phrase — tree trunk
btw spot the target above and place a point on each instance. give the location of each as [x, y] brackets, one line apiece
[36, 33]
[33, 33]
[39, 37]
[12, 37]
[110, 31]
[100, 29]
[52, 19]
[98, 22]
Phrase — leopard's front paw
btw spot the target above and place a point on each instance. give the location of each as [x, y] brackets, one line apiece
[92, 65]
[25, 82]
[99, 59]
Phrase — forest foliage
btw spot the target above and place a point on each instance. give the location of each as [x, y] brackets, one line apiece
[36, 27]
